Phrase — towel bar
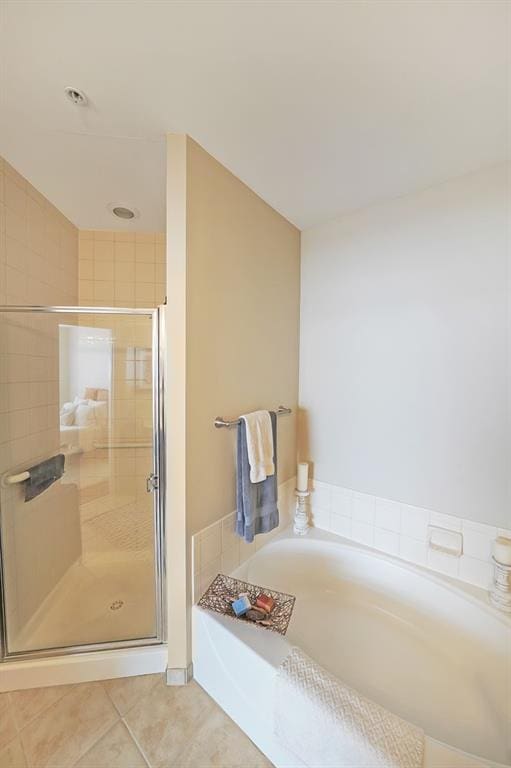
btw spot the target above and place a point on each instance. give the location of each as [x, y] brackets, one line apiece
[20, 478]
[220, 422]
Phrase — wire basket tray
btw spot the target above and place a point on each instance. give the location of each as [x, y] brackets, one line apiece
[223, 589]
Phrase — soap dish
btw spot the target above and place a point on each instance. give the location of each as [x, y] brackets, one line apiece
[217, 598]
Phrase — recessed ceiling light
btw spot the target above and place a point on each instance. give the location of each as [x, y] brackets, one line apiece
[76, 96]
[123, 212]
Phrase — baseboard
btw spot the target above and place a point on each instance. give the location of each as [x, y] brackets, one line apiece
[179, 675]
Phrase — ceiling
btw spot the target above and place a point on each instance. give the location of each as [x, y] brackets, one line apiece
[320, 107]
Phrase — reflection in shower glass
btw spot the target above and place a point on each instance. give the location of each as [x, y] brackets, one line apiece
[79, 558]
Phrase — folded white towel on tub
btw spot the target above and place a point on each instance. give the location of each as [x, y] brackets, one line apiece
[259, 445]
[329, 725]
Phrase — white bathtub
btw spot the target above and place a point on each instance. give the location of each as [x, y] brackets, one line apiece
[427, 648]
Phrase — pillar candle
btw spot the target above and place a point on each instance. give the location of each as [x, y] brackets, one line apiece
[502, 550]
[302, 477]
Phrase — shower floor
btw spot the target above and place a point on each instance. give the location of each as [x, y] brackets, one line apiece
[109, 594]
[93, 603]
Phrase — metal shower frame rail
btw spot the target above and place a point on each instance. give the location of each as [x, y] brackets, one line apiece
[157, 316]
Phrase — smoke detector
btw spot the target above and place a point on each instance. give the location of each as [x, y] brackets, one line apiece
[123, 212]
[76, 96]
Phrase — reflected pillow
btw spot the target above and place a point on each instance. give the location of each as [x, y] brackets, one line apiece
[84, 416]
[67, 419]
[67, 414]
[100, 411]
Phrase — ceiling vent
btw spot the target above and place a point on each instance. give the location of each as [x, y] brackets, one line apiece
[76, 96]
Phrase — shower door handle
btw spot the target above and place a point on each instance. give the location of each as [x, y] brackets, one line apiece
[152, 483]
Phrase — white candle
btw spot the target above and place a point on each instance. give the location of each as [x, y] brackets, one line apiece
[302, 476]
[502, 550]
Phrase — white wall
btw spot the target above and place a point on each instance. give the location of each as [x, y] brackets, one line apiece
[85, 360]
[405, 348]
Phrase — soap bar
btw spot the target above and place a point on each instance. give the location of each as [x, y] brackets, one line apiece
[241, 605]
[265, 602]
[255, 614]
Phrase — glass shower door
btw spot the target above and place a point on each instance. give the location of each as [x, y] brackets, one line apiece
[80, 517]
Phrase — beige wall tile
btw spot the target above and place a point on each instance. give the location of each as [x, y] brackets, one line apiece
[125, 292]
[124, 237]
[144, 272]
[145, 252]
[15, 225]
[104, 291]
[103, 250]
[103, 235]
[39, 265]
[125, 271]
[15, 196]
[103, 270]
[86, 249]
[86, 270]
[145, 237]
[124, 251]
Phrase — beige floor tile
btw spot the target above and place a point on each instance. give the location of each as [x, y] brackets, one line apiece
[12, 756]
[126, 691]
[64, 732]
[219, 743]
[165, 722]
[116, 749]
[7, 725]
[27, 704]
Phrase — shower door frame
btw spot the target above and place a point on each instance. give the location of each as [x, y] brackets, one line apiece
[158, 348]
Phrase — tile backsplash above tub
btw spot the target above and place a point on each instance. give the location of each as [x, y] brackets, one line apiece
[217, 549]
[390, 526]
[404, 531]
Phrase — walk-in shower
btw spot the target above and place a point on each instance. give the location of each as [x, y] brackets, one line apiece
[82, 560]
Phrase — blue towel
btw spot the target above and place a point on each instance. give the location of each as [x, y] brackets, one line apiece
[257, 510]
[43, 475]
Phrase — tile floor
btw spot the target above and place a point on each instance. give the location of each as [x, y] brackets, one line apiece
[131, 722]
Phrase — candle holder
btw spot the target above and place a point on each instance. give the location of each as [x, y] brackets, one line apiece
[500, 594]
[301, 520]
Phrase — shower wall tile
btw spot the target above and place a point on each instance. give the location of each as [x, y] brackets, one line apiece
[402, 530]
[38, 266]
[121, 268]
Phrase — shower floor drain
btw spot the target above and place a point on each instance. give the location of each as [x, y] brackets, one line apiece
[116, 605]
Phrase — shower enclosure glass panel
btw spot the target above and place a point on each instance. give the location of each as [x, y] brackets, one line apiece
[81, 560]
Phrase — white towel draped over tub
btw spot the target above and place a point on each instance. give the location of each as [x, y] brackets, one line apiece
[329, 725]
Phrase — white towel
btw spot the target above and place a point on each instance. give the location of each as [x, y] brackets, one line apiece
[329, 725]
[259, 445]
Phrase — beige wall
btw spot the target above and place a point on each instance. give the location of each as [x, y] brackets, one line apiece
[243, 292]
[233, 318]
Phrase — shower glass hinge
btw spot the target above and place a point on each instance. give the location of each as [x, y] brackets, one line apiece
[152, 483]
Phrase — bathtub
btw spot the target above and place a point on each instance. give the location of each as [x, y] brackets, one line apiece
[428, 648]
